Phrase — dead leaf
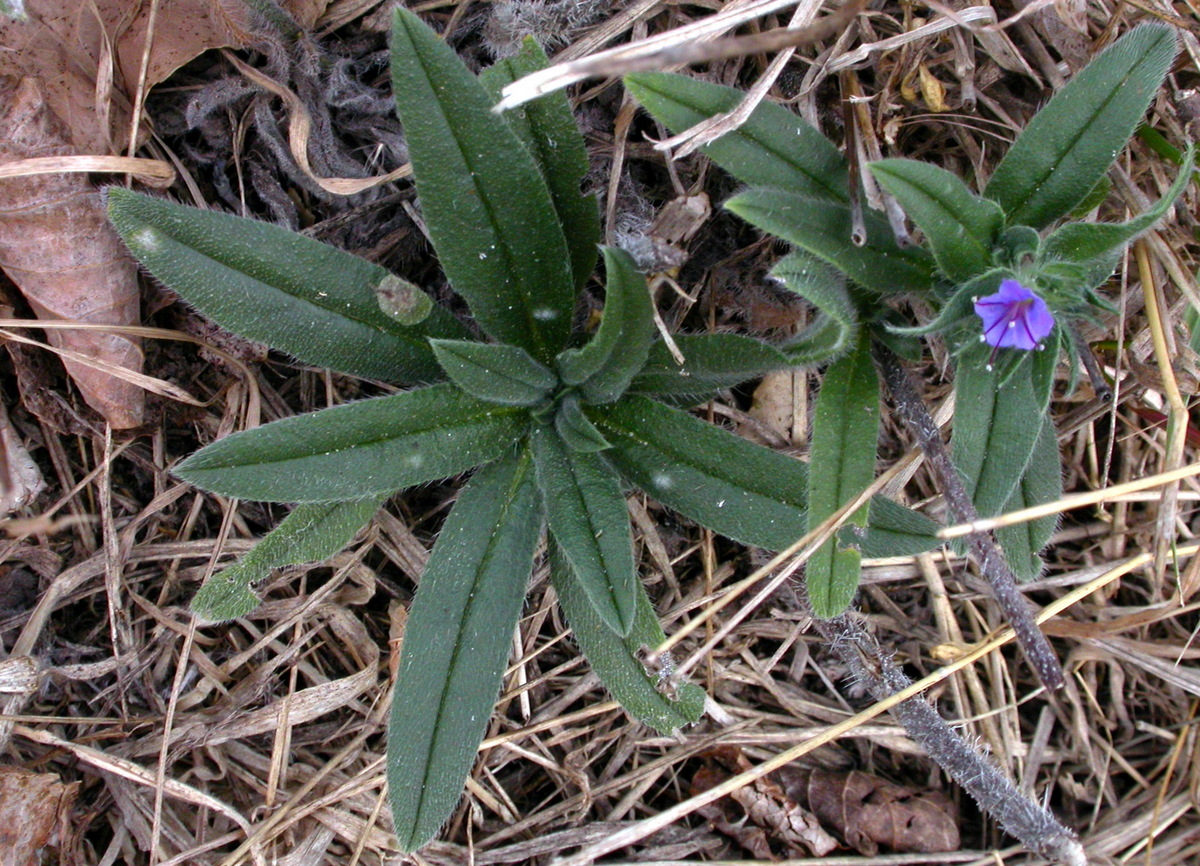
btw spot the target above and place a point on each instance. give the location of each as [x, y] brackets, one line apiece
[67, 45]
[20, 478]
[35, 811]
[56, 245]
[766, 811]
[774, 402]
[870, 812]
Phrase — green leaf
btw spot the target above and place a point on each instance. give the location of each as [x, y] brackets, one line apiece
[841, 465]
[1086, 242]
[1040, 483]
[311, 533]
[586, 513]
[960, 226]
[263, 282]
[823, 228]
[547, 127]
[362, 449]
[959, 307]
[504, 375]
[893, 530]
[721, 481]
[576, 430]
[1069, 145]
[824, 287]
[615, 659]
[456, 643]
[774, 148]
[604, 367]
[486, 205]
[995, 425]
[712, 363]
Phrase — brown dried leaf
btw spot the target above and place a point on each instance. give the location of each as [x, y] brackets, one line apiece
[35, 809]
[57, 246]
[869, 812]
[76, 47]
[20, 478]
[767, 812]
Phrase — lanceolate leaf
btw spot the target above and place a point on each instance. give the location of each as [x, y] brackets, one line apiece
[1041, 483]
[824, 229]
[841, 466]
[893, 531]
[604, 367]
[1069, 145]
[311, 533]
[456, 644]
[363, 449]
[485, 203]
[712, 362]
[995, 426]
[824, 287]
[293, 293]
[960, 226]
[586, 513]
[577, 432]
[615, 659]
[499, 374]
[1085, 242]
[721, 481]
[548, 129]
[774, 148]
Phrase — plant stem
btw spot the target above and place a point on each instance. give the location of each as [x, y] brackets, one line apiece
[1036, 827]
[986, 551]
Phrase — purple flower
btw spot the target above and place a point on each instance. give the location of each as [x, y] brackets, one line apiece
[1014, 318]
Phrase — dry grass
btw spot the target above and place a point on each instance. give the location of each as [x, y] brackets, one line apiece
[261, 741]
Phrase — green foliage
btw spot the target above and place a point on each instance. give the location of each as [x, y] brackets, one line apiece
[555, 425]
[312, 532]
[961, 227]
[304, 297]
[992, 267]
[842, 465]
[1066, 149]
[484, 200]
[456, 643]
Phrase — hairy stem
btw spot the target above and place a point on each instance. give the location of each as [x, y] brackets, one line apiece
[986, 551]
[1036, 827]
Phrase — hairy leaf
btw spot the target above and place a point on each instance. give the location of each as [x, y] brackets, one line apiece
[547, 127]
[498, 374]
[586, 514]
[604, 367]
[301, 296]
[841, 465]
[823, 228]
[721, 481]
[311, 533]
[960, 226]
[456, 643]
[823, 286]
[486, 205]
[1085, 242]
[1069, 145]
[774, 148]
[1040, 483]
[995, 426]
[893, 530]
[615, 659]
[579, 433]
[363, 449]
[712, 362]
